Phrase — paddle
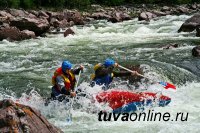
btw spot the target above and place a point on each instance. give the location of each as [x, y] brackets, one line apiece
[166, 85]
[69, 117]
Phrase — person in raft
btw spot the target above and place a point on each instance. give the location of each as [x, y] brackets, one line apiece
[104, 73]
[64, 80]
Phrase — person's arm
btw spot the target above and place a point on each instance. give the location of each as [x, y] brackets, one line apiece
[77, 70]
[102, 71]
[121, 73]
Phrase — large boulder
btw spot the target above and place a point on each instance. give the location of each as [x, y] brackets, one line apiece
[14, 34]
[18, 118]
[5, 14]
[74, 16]
[39, 26]
[18, 13]
[146, 16]
[190, 24]
[69, 31]
[100, 15]
[196, 51]
[119, 16]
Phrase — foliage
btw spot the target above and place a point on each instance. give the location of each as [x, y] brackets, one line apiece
[82, 4]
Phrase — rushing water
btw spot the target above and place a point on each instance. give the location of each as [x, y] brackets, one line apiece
[26, 68]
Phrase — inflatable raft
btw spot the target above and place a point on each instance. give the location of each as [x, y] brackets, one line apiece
[125, 101]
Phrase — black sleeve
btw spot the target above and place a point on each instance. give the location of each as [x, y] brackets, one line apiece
[76, 71]
[102, 71]
[121, 73]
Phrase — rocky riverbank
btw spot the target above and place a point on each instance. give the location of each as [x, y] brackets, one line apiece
[18, 24]
[18, 118]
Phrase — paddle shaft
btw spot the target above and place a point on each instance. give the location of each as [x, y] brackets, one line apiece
[132, 71]
[75, 91]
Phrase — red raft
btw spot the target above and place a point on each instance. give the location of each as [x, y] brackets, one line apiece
[125, 101]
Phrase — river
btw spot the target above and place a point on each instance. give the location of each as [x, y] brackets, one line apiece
[26, 68]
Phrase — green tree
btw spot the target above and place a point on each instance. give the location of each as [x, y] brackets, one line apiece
[13, 3]
[26, 3]
[81, 4]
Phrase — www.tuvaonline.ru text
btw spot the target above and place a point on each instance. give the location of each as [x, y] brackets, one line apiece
[150, 116]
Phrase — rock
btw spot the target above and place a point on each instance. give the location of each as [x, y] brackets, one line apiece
[74, 16]
[116, 17]
[158, 13]
[68, 32]
[165, 8]
[100, 15]
[64, 24]
[190, 24]
[125, 16]
[36, 13]
[18, 118]
[54, 22]
[175, 45]
[18, 13]
[39, 26]
[146, 16]
[182, 9]
[198, 31]
[43, 14]
[58, 15]
[196, 51]
[26, 34]
[14, 34]
[193, 7]
[5, 14]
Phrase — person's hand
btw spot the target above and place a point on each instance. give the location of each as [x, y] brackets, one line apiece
[73, 94]
[116, 65]
[134, 73]
[81, 68]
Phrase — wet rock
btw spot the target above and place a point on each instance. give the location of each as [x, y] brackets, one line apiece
[182, 9]
[54, 22]
[158, 13]
[14, 34]
[175, 45]
[64, 24]
[26, 34]
[68, 32]
[165, 8]
[193, 6]
[5, 15]
[18, 13]
[57, 15]
[196, 51]
[74, 16]
[190, 24]
[12, 120]
[100, 15]
[146, 16]
[39, 26]
[125, 16]
[198, 31]
[43, 14]
[116, 17]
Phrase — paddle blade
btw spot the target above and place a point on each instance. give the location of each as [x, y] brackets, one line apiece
[167, 85]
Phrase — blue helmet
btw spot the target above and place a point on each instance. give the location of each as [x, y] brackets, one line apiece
[66, 65]
[109, 62]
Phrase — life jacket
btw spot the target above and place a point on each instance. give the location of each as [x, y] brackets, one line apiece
[69, 79]
[97, 66]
